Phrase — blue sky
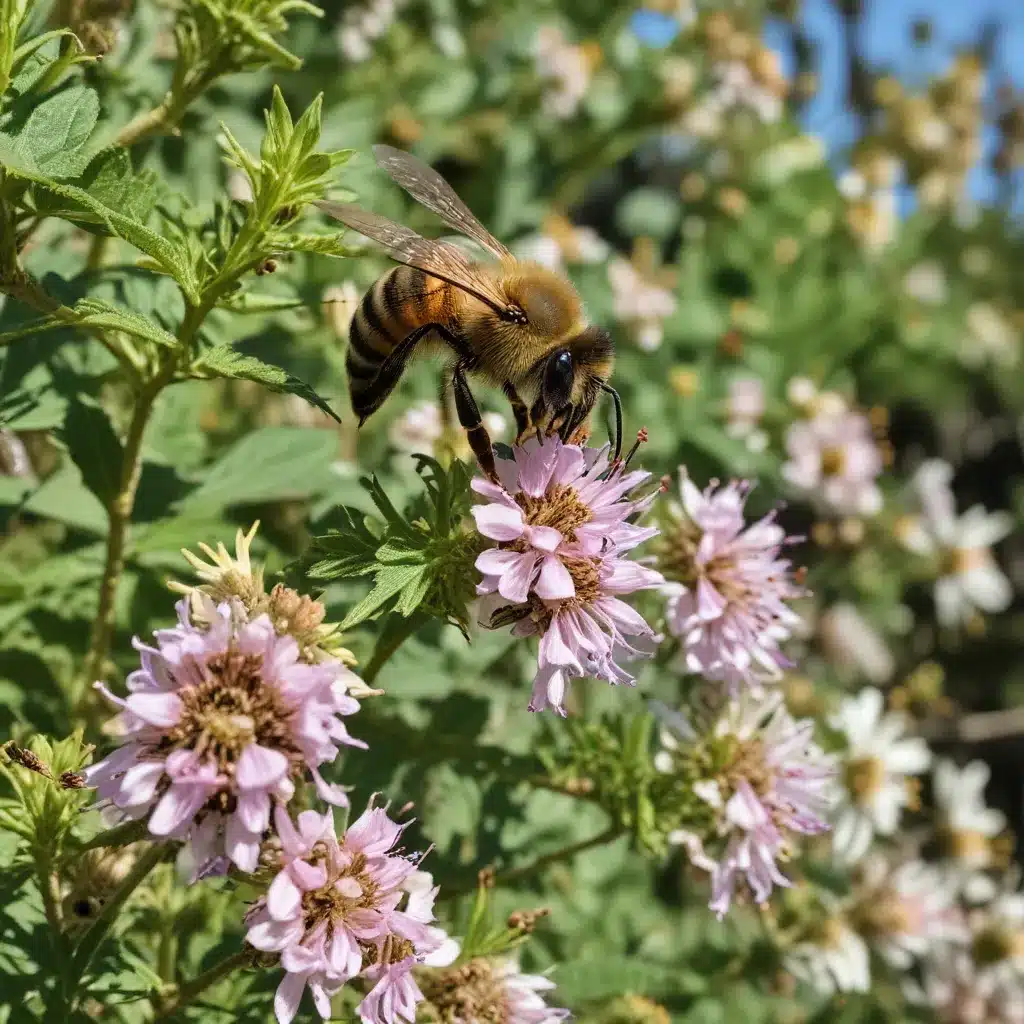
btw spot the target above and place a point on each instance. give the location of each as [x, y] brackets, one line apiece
[885, 39]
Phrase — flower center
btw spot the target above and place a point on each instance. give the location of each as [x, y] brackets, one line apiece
[748, 765]
[864, 777]
[967, 844]
[467, 993]
[560, 508]
[886, 913]
[677, 552]
[345, 891]
[831, 933]
[231, 708]
[994, 944]
[833, 461]
[960, 561]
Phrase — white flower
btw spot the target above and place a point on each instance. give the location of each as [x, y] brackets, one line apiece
[908, 912]
[340, 303]
[639, 303]
[853, 644]
[970, 579]
[420, 428]
[990, 337]
[835, 960]
[744, 406]
[926, 282]
[565, 67]
[879, 762]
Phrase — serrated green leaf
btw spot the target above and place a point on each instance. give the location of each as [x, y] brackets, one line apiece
[389, 581]
[53, 140]
[413, 594]
[324, 245]
[397, 552]
[224, 361]
[98, 315]
[95, 448]
[348, 551]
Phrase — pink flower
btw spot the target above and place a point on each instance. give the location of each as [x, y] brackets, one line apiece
[766, 781]
[727, 599]
[344, 907]
[219, 725]
[562, 517]
[834, 457]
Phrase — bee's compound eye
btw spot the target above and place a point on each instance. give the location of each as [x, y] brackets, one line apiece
[558, 379]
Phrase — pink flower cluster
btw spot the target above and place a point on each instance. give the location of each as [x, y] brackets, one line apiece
[219, 725]
[771, 782]
[346, 907]
[728, 602]
[563, 518]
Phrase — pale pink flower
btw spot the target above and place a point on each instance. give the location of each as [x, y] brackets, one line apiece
[729, 587]
[220, 723]
[834, 458]
[768, 782]
[344, 907]
[561, 515]
[745, 405]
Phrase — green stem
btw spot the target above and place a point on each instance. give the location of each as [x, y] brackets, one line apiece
[388, 642]
[173, 999]
[94, 937]
[120, 514]
[526, 870]
[149, 122]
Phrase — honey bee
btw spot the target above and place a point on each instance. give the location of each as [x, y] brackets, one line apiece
[516, 324]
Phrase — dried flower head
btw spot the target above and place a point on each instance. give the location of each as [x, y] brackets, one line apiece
[729, 587]
[221, 722]
[487, 991]
[240, 582]
[346, 906]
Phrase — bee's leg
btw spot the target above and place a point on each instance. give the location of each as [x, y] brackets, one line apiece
[519, 410]
[443, 384]
[469, 417]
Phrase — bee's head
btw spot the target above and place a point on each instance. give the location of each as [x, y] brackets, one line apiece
[573, 376]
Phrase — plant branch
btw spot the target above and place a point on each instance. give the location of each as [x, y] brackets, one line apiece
[172, 1000]
[94, 937]
[389, 641]
[119, 835]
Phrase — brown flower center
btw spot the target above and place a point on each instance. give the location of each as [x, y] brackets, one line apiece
[833, 461]
[864, 777]
[231, 708]
[966, 844]
[959, 561]
[748, 765]
[467, 993]
[885, 913]
[345, 891]
[560, 508]
[994, 944]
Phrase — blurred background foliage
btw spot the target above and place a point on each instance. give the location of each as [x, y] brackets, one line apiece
[662, 155]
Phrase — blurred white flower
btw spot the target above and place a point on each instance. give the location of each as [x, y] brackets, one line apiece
[779, 163]
[853, 644]
[362, 25]
[420, 428]
[561, 242]
[801, 392]
[969, 580]
[990, 338]
[340, 302]
[239, 186]
[926, 282]
[907, 912]
[967, 826]
[744, 406]
[565, 67]
[879, 764]
[835, 460]
[836, 959]
[956, 992]
[639, 303]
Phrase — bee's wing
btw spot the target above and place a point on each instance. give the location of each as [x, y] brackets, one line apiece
[429, 189]
[441, 259]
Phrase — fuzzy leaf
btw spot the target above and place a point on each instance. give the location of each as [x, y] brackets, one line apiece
[390, 580]
[53, 139]
[224, 361]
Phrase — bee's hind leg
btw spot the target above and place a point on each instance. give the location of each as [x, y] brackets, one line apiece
[472, 423]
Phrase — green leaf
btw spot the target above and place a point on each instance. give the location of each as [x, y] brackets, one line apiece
[224, 361]
[597, 978]
[349, 551]
[95, 448]
[272, 464]
[93, 313]
[53, 139]
[170, 257]
[325, 245]
[390, 580]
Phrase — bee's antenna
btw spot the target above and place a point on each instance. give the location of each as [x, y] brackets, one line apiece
[618, 417]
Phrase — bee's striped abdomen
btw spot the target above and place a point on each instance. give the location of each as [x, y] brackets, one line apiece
[398, 303]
